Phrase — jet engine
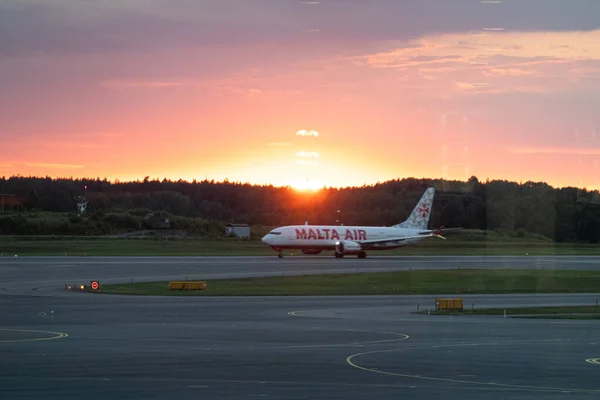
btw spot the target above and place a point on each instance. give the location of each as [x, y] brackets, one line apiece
[311, 251]
[347, 247]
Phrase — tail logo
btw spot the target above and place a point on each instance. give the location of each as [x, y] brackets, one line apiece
[423, 210]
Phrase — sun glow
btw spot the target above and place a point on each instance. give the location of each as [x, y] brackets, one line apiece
[307, 186]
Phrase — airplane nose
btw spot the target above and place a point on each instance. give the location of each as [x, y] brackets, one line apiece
[264, 239]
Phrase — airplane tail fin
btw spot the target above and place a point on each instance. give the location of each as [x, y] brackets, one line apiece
[419, 218]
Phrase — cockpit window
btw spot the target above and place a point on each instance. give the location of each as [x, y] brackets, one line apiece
[274, 233]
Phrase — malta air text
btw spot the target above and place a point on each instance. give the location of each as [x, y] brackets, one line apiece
[326, 233]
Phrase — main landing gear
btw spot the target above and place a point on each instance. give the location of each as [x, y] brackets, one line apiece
[362, 254]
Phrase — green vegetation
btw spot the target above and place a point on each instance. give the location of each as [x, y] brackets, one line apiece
[560, 312]
[526, 310]
[452, 282]
[44, 206]
[560, 316]
[94, 246]
[109, 223]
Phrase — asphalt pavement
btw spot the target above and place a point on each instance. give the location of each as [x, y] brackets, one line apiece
[72, 345]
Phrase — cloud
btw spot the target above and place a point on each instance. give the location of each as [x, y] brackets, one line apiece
[93, 27]
[585, 71]
[53, 166]
[307, 154]
[555, 150]
[488, 49]
[491, 62]
[245, 92]
[507, 72]
[233, 88]
[438, 70]
[124, 26]
[304, 132]
[488, 88]
[248, 86]
[401, 59]
[466, 86]
[145, 84]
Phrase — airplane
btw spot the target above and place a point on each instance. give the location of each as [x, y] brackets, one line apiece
[356, 240]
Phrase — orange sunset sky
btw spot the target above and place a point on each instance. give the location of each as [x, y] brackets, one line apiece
[220, 89]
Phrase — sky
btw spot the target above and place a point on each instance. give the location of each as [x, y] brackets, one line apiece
[301, 93]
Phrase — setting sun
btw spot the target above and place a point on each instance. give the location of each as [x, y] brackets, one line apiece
[307, 186]
[344, 107]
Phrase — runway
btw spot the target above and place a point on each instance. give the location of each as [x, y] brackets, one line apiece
[69, 345]
[21, 274]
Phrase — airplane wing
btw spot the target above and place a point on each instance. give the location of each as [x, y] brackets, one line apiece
[428, 233]
[423, 234]
[440, 231]
[399, 238]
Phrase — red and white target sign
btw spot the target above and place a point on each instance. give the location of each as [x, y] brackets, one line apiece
[94, 285]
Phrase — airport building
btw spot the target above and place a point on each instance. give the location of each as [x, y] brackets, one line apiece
[239, 230]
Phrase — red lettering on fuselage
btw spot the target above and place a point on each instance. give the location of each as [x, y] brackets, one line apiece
[330, 234]
[300, 233]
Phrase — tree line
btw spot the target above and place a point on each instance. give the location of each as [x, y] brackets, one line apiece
[563, 214]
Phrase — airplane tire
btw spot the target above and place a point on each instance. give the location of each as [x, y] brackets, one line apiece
[280, 255]
[362, 254]
[339, 255]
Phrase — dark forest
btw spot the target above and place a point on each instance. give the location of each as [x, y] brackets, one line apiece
[562, 214]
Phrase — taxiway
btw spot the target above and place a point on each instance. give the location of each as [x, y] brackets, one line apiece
[68, 345]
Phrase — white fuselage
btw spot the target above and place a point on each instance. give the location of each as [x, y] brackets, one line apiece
[325, 237]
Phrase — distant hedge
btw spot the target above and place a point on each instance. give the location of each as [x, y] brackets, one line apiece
[99, 224]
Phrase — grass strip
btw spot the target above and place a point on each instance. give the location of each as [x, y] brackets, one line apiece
[556, 312]
[419, 282]
[198, 247]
